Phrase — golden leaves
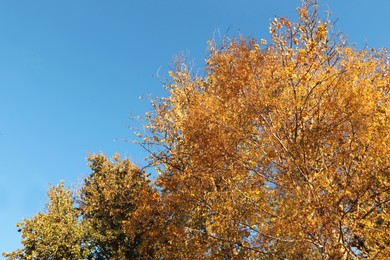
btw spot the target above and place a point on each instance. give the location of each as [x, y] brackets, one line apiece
[285, 139]
[321, 32]
[303, 13]
[279, 151]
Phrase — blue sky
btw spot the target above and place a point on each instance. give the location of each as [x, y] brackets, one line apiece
[72, 72]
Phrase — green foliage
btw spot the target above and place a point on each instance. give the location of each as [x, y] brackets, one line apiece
[96, 224]
[56, 234]
[107, 200]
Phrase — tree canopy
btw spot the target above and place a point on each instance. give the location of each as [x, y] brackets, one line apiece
[54, 234]
[279, 151]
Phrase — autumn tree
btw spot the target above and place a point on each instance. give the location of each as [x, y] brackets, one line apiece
[280, 150]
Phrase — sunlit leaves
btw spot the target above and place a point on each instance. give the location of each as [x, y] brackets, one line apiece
[280, 148]
[56, 233]
[279, 151]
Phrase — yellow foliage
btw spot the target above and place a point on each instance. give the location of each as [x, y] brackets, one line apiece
[280, 151]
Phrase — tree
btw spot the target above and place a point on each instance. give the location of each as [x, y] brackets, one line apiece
[56, 234]
[101, 223]
[280, 150]
[108, 200]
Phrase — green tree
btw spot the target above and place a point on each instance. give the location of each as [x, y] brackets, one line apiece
[55, 234]
[108, 199]
[113, 217]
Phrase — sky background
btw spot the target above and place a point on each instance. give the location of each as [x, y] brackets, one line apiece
[72, 72]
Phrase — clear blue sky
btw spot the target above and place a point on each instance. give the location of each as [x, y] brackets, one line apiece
[72, 72]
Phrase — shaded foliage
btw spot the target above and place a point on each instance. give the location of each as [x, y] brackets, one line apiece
[107, 199]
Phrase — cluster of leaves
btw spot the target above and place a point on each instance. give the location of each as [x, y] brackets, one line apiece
[56, 234]
[93, 223]
[280, 151]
